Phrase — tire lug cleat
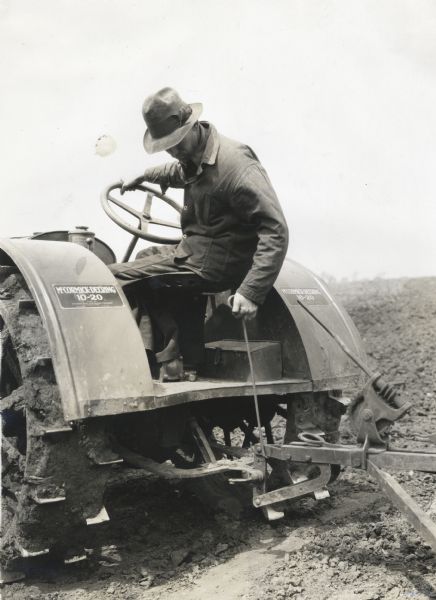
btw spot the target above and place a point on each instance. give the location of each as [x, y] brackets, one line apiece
[271, 514]
[75, 557]
[32, 553]
[321, 494]
[100, 517]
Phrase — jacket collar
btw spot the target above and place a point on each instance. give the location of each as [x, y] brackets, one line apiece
[212, 145]
[210, 152]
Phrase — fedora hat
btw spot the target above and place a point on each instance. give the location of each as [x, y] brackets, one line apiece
[168, 119]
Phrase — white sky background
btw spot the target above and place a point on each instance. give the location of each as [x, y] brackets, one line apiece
[337, 98]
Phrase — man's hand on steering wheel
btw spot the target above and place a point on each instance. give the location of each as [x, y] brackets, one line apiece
[131, 185]
[144, 217]
[243, 307]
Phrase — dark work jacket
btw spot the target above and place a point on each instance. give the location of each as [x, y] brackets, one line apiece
[233, 226]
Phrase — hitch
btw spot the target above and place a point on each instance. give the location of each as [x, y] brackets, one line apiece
[372, 413]
[373, 460]
[371, 418]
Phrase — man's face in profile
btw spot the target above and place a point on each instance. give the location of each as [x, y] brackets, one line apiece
[185, 149]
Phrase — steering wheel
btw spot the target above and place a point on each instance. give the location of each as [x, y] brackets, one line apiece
[144, 217]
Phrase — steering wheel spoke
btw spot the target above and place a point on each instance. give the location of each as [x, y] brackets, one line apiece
[146, 213]
[144, 217]
[154, 221]
[126, 207]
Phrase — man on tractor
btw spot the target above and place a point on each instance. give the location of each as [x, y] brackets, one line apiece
[234, 231]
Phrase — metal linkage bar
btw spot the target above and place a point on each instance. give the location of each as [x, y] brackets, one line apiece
[347, 456]
[253, 384]
[404, 460]
[297, 490]
[167, 471]
[409, 508]
[202, 442]
[355, 456]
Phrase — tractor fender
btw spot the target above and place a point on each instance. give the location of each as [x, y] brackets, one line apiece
[328, 365]
[96, 348]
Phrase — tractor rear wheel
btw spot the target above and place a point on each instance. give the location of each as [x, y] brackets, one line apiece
[49, 486]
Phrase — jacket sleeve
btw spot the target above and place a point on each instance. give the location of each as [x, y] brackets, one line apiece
[166, 175]
[255, 202]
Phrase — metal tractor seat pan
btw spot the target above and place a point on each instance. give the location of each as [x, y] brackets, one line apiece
[187, 280]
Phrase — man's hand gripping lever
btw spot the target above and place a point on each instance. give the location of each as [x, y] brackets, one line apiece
[242, 307]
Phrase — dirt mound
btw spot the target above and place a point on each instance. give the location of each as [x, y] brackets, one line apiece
[352, 546]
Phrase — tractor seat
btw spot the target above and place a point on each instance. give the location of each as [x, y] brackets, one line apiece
[186, 280]
[188, 295]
